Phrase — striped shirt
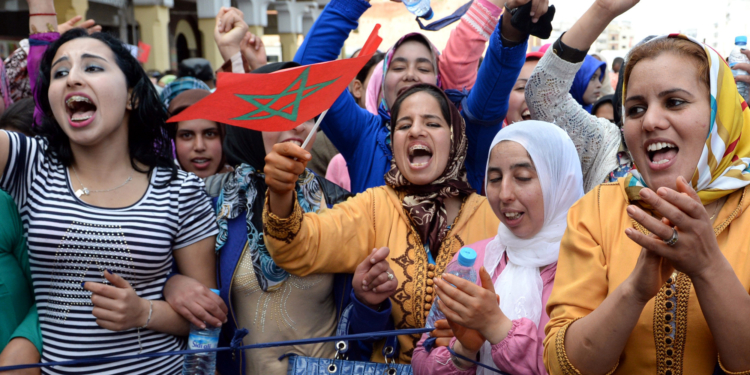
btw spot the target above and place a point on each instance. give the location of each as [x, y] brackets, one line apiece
[71, 242]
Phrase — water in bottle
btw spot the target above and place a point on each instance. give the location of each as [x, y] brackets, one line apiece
[463, 268]
[202, 363]
[419, 8]
[735, 57]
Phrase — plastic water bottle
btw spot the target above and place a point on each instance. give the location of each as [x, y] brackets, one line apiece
[419, 8]
[738, 57]
[202, 363]
[463, 268]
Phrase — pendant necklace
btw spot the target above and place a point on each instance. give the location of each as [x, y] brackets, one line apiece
[85, 191]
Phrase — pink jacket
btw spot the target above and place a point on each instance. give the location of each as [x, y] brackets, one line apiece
[520, 353]
[338, 173]
[459, 61]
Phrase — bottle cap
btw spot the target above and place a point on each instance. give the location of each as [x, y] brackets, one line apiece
[218, 292]
[467, 257]
[428, 15]
[740, 40]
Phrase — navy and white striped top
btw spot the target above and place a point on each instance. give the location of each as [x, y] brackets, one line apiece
[71, 242]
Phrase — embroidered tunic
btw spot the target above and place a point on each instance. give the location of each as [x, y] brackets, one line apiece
[672, 336]
[337, 240]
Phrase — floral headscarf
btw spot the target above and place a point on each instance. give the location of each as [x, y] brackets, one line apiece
[425, 203]
[724, 163]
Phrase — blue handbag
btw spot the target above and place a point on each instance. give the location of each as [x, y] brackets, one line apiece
[339, 365]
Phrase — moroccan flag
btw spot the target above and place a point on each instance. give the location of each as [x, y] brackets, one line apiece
[280, 100]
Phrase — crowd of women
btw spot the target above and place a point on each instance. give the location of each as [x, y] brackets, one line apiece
[632, 184]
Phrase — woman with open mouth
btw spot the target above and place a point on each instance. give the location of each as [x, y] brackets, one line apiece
[273, 304]
[417, 222]
[653, 273]
[362, 137]
[106, 211]
[533, 178]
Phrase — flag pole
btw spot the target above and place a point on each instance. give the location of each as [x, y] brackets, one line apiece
[315, 128]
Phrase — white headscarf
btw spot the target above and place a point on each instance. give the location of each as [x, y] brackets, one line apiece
[559, 169]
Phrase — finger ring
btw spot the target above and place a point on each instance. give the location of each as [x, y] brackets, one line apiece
[672, 241]
[390, 275]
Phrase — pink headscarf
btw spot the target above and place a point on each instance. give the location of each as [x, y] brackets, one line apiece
[376, 87]
[372, 96]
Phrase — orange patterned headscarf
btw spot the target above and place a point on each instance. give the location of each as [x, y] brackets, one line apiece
[724, 166]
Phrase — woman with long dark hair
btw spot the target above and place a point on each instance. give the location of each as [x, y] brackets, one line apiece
[105, 209]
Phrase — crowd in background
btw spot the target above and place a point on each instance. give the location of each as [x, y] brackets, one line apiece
[605, 203]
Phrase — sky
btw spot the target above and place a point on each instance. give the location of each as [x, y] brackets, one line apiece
[650, 16]
[646, 18]
[658, 17]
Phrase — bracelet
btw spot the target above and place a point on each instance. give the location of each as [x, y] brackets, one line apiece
[150, 311]
[50, 29]
[42, 14]
[511, 11]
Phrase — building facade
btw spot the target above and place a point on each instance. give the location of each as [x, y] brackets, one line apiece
[175, 29]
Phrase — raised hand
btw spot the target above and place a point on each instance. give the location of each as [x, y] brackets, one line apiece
[615, 7]
[89, 25]
[195, 302]
[374, 280]
[229, 31]
[253, 51]
[588, 28]
[117, 307]
[284, 164]
[538, 7]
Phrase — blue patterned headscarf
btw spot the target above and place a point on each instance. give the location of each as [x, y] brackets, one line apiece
[245, 192]
[179, 86]
[583, 77]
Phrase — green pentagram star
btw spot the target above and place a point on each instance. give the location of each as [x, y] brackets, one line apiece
[299, 94]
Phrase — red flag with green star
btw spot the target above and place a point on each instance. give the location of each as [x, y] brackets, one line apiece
[280, 100]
